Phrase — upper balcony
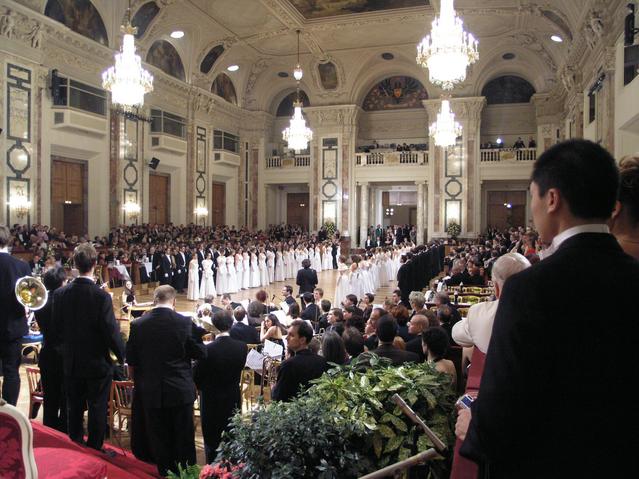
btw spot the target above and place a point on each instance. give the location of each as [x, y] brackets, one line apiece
[392, 158]
[508, 154]
[507, 163]
[299, 161]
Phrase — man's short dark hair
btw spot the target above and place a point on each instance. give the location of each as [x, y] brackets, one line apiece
[226, 296]
[308, 298]
[288, 288]
[239, 313]
[223, 320]
[84, 257]
[436, 339]
[386, 328]
[306, 263]
[325, 304]
[585, 174]
[352, 298]
[353, 342]
[303, 329]
[54, 278]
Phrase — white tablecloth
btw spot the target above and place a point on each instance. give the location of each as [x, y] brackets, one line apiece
[123, 271]
[148, 267]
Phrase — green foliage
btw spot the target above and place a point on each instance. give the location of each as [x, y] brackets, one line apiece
[453, 229]
[345, 425]
[330, 229]
[188, 472]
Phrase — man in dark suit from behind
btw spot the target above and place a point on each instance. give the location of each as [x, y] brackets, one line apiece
[218, 379]
[83, 317]
[386, 332]
[241, 330]
[297, 371]
[404, 278]
[159, 352]
[306, 278]
[13, 321]
[536, 389]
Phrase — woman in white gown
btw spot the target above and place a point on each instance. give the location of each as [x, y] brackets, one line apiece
[231, 275]
[279, 265]
[193, 290]
[327, 258]
[291, 264]
[246, 271]
[255, 272]
[342, 287]
[270, 264]
[220, 283]
[383, 270]
[316, 262]
[239, 269]
[261, 263]
[207, 285]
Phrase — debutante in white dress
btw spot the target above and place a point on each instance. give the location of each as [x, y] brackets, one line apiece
[255, 272]
[193, 290]
[246, 267]
[291, 264]
[207, 285]
[383, 270]
[342, 287]
[239, 270]
[270, 265]
[231, 276]
[279, 266]
[221, 279]
[261, 263]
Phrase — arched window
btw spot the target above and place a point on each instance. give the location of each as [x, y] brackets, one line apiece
[223, 86]
[395, 93]
[143, 17]
[285, 107]
[508, 89]
[210, 58]
[164, 56]
[80, 16]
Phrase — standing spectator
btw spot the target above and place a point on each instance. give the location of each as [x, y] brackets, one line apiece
[83, 316]
[218, 379]
[306, 278]
[159, 352]
[13, 322]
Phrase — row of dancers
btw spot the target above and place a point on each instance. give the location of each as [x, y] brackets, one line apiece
[257, 268]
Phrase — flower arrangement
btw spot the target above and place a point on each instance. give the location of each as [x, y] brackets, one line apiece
[453, 229]
[330, 228]
[210, 471]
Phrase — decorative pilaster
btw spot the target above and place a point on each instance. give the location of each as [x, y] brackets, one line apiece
[420, 211]
[363, 212]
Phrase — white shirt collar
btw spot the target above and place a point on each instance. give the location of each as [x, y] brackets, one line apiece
[167, 306]
[221, 335]
[570, 232]
[4, 250]
[90, 278]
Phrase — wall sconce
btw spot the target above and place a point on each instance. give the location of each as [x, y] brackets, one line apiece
[19, 203]
[508, 205]
[389, 211]
[201, 211]
[131, 208]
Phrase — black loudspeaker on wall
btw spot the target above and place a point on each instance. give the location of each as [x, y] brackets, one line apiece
[153, 164]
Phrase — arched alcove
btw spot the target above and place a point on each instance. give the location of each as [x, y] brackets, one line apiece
[508, 89]
[210, 58]
[164, 56]
[223, 86]
[285, 108]
[81, 16]
[395, 93]
[143, 17]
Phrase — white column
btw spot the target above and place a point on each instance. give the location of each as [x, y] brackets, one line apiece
[420, 212]
[363, 211]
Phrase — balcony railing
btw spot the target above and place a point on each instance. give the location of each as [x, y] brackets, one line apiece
[299, 161]
[392, 158]
[494, 155]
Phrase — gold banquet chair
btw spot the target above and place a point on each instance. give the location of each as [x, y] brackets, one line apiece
[120, 406]
[36, 393]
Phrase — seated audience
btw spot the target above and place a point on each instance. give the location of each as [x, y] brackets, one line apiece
[416, 326]
[272, 330]
[370, 332]
[333, 348]
[401, 315]
[367, 300]
[311, 311]
[325, 306]
[336, 321]
[435, 344]
[353, 342]
[241, 330]
[386, 332]
[296, 372]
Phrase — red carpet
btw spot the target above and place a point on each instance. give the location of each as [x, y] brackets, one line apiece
[63, 462]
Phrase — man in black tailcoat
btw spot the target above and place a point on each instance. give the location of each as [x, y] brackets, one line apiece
[13, 321]
[218, 379]
[201, 255]
[165, 269]
[180, 278]
[83, 317]
[404, 278]
[159, 352]
[306, 278]
[545, 321]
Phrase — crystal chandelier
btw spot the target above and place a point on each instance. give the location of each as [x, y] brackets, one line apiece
[127, 81]
[448, 50]
[297, 135]
[19, 203]
[445, 130]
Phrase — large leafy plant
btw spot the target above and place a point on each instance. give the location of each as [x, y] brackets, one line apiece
[345, 425]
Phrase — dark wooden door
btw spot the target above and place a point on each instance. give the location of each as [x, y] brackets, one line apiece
[68, 196]
[159, 198]
[218, 197]
[297, 209]
[500, 215]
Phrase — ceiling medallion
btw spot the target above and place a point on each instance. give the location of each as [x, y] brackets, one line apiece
[127, 81]
[297, 135]
[448, 50]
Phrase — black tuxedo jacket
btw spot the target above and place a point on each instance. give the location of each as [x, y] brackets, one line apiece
[13, 322]
[404, 278]
[160, 348]
[547, 394]
[219, 372]
[244, 333]
[83, 317]
[396, 355]
[311, 312]
[297, 372]
[306, 280]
